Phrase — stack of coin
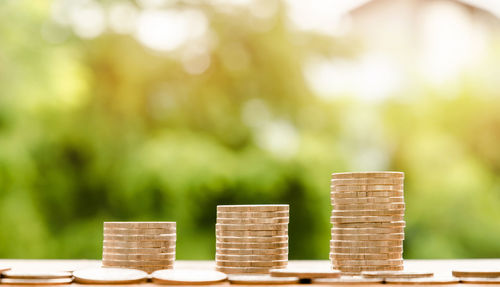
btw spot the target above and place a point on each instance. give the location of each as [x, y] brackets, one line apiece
[251, 238]
[368, 221]
[147, 246]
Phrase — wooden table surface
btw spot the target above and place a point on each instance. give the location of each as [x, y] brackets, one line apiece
[439, 267]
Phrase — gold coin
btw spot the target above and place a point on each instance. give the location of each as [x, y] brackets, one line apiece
[109, 276]
[397, 274]
[243, 270]
[159, 256]
[138, 231]
[392, 224]
[253, 208]
[378, 243]
[374, 187]
[363, 262]
[187, 277]
[235, 251]
[365, 194]
[139, 244]
[304, 273]
[435, 280]
[266, 263]
[162, 237]
[252, 245]
[251, 239]
[367, 200]
[38, 281]
[475, 272]
[118, 250]
[343, 213]
[261, 280]
[245, 227]
[347, 280]
[371, 174]
[143, 263]
[36, 274]
[340, 230]
[371, 237]
[363, 250]
[274, 220]
[223, 257]
[250, 233]
[367, 181]
[254, 215]
[140, 224]
[370, 206]
[365, 256]
[365, 219]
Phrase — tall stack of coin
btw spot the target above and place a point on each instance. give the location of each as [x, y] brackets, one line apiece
[368, 221]
[147, 246]
[251, 238]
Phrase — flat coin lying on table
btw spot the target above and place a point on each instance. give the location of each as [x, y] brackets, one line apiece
[261, 280]
[304, 274]
[479, 273]
[4, 268]
[109, 276]
[439, 280]
[39, 281]
[347, 280]
[34, 274]
[187, 277]
[483, 280]
[398, 274]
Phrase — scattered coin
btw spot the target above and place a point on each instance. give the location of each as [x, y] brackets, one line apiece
[439, 280]
[480, 280]
[479, 273]
[109, 276]
[187, 277]
[304, 274]
[261, 280]
[35, 274]
[39, 281]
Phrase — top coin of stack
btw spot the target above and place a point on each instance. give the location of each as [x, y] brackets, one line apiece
[251, 238]
[147, 246]
[368, 221]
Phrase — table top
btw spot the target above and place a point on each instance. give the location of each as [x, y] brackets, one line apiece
[439, 267]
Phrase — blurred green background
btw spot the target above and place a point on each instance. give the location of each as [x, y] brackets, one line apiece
[161, 110]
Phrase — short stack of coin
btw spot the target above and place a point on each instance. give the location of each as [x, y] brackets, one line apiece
[147, 246]
[251, 238]
[368, 221]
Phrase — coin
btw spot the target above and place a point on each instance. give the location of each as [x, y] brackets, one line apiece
[348, 230]
[473, 272]
[366, 194]
[255, 215]
[370, 206]
[261, 280]
[35, 274]
[366, 256]
[435, 280]
[158, 256]
[139, 244]
[130, 263]
[252, 245]
[347, 280]
[248, 227]
[479, 280]
[118, 250]
[38, 281]
[303, 273]
[367, 181]
[364, 200]
[391, 224]
[377, 243]
[109, 276]
[273, 220]
[243, 270]
[371, 237]
[359, 269]
[161, 237]
[362, 262]
[251, 239]
[253, 208]
[374, 249]
[370, 174]
[348, 213]
[188, 277]
[268, 257]
[366, 219]
[397, 274]
[250, 233]
[266, 263]
[139, 224]
[375, 187]
[236, 251]
[138, 231]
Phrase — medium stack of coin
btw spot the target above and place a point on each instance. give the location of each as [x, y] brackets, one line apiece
[251, 238]
[147, 246]
[368, 221]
